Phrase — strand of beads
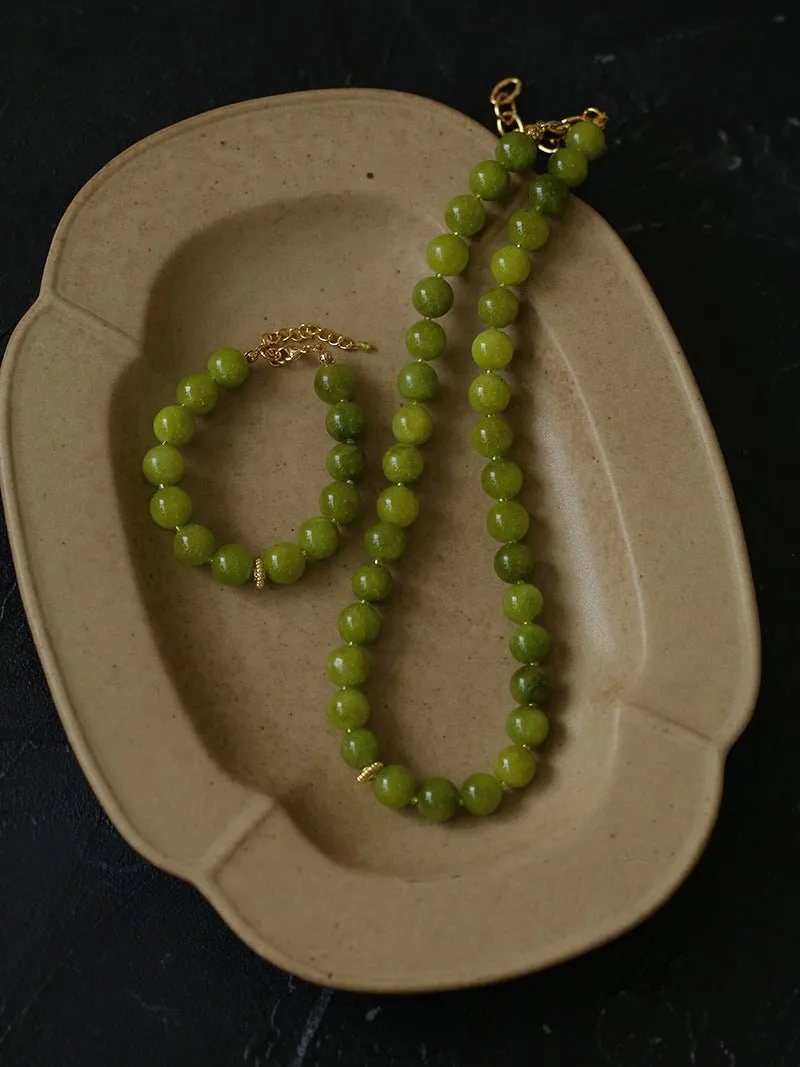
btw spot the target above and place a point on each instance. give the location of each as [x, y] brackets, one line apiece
[439, 799]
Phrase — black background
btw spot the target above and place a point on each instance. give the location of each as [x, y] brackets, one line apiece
[107, 961]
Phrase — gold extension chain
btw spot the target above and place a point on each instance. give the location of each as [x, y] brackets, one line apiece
[292, 342]
[549, 134]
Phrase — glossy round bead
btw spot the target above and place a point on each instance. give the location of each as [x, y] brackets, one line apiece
[492, 436]
[340, 503]
[528, 229]
[425, 340]
[359, 624]
[548, 194]
[529, 643]
[489, 180]
[228, 367]
[403, 463]
[398, 505]
[529, 684]
[318, 538]
[348, 666]
[360, 748]
[522, 602]
[465, 215]
[510, 265]
[515, 766]
[569, 165]
[489, 394]
[348, 709]
[513, 562]
[527, 726]
[284, 563]
[372, 581]
[438, 800]
[345, 421]
[492, 349]
[501, 479]
[170, 507]
[507, 520]
[481, 794]
[586, 137]
[232, 565]
[334, 382]
[412, 425]
[163, 465]
[447, 254]
[432, 297]
[384, 542]
[417, 381]
[516, 151]
[174, 425]
[346, 462]
[394, 786]
[498, 307]
[197, 393]
[194, 544]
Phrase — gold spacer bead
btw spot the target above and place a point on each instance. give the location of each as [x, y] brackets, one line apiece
[259, 573]
[366, 774]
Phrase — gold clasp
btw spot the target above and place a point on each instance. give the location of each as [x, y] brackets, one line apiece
[289, 343]
[549, 134]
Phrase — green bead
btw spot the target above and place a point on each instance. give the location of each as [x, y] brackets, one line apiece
[489, 394]
[284, 563]
[228, 367]
[529, 643]
[465, 215]
[340, 502]
[529, 684]
[360, 748]
[345, 420]
[510, 265]
[348, 709]
[334, 382]
[418, 381]
[412, 425]
[481, 794]
[515, 766]
[548, 194]
[492, 436]
[398, 505]
[489, 180]
[507, 520]
[197, 393]
[348, 666]
[394, 786]
[569, 165]
[586, 137]
[432, 297]
[425, 339]
[528, 229]
[513, 562]
[498, 307]
[318, 538]
[447, 254]
[372, 581]
[174, 425]
[527, 725]
[384, 542]
[359, 624]
[346, 462]
[403, 463]
[232, 565]
[522, 602]
[516, 151]
[170, 507]
[501, 479]
[438, 800]
[163, 465]
[492, 349]
[194, 545]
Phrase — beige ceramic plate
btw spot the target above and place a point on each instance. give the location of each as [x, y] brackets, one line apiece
[197, 712]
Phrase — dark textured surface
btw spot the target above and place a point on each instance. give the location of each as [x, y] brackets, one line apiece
[106, 961]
